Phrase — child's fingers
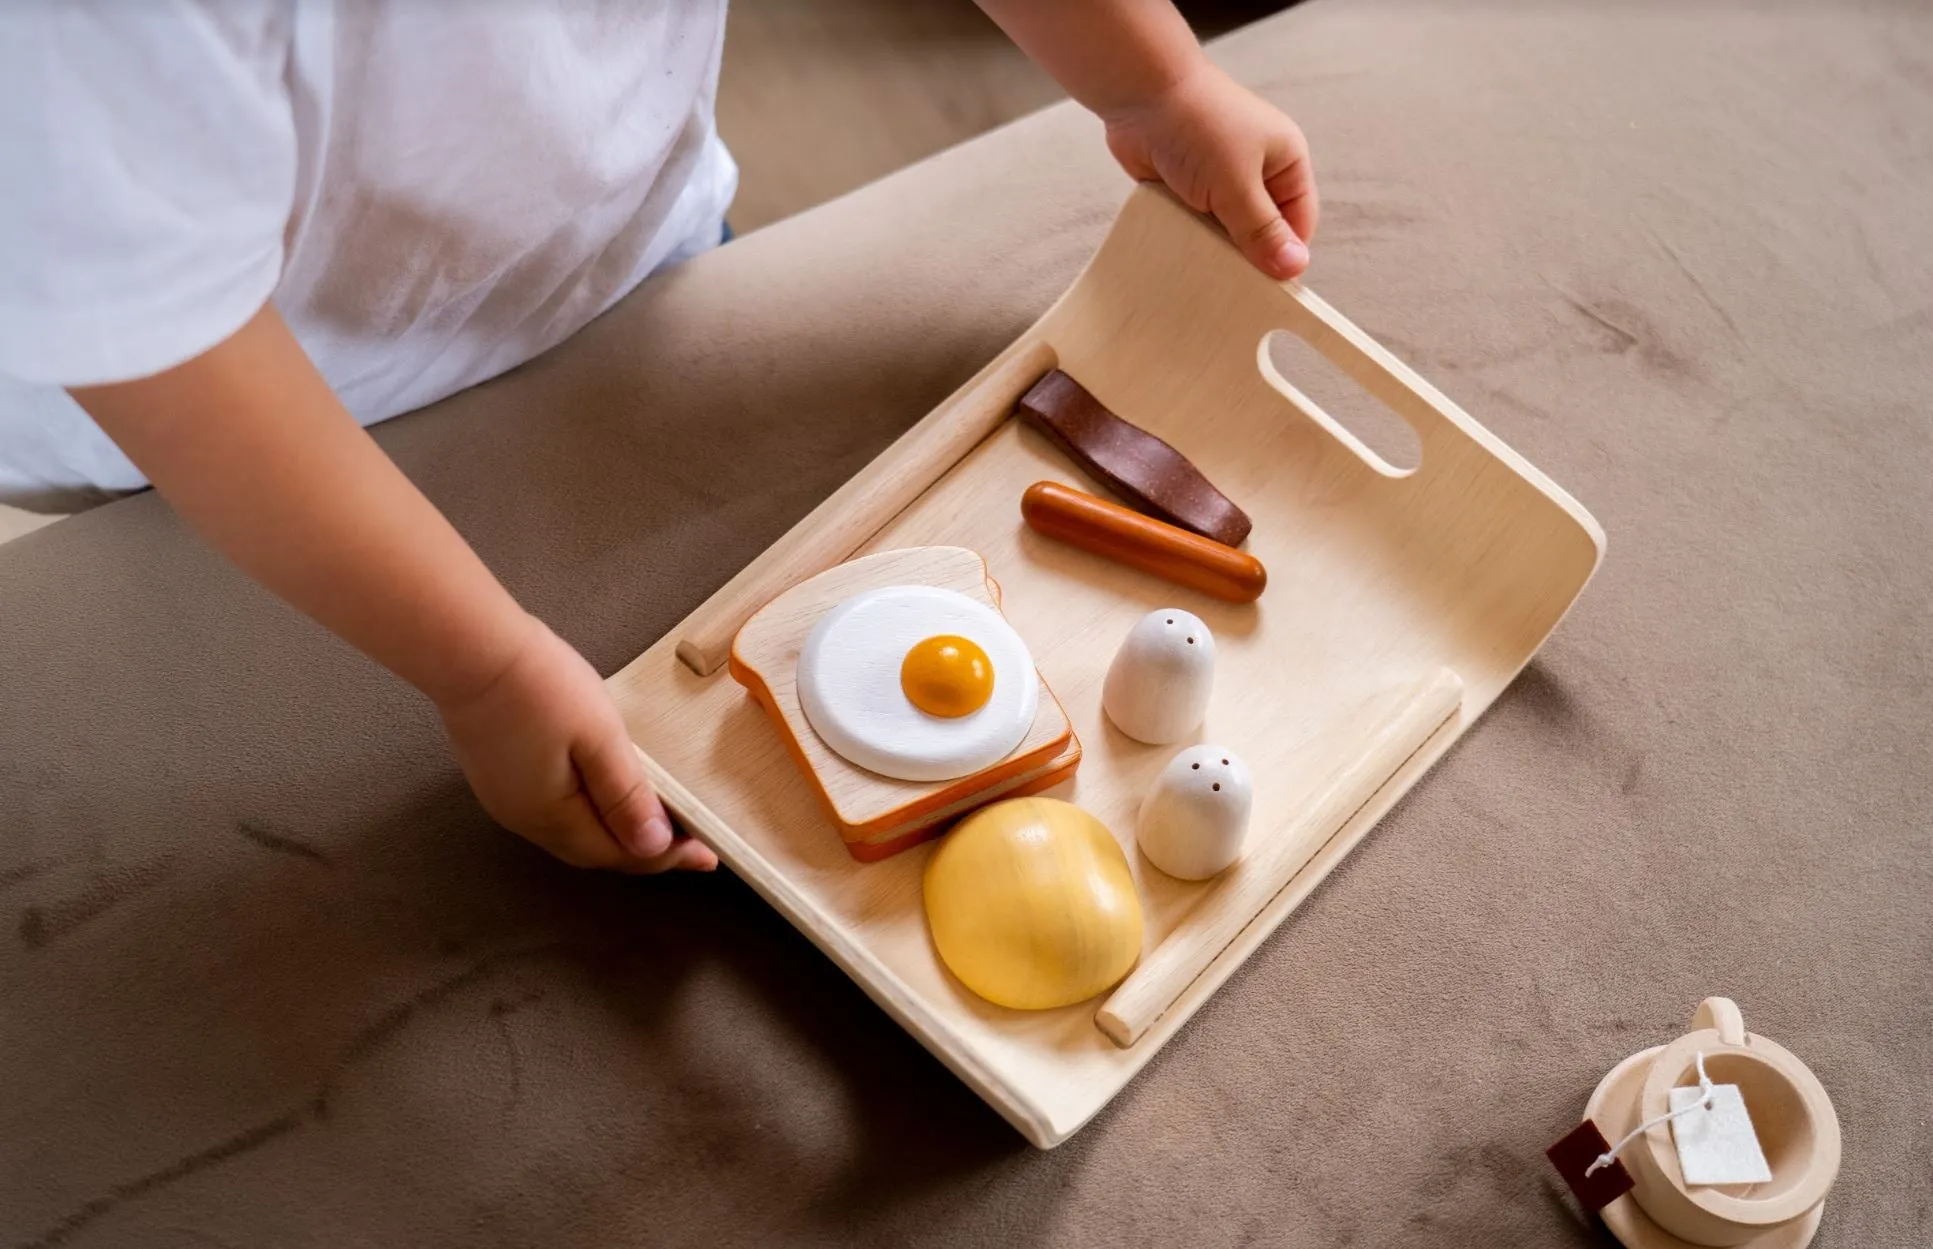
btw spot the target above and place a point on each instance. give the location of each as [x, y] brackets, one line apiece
[576, 836]
[686, 855]
[621, 795]
[1249, 213]
[1293, 188]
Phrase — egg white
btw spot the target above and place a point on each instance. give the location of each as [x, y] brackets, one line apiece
[849, 685]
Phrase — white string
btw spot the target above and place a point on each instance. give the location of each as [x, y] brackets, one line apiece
[1704, 1102]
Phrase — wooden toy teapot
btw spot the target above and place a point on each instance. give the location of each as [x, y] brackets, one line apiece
[1790, 1112]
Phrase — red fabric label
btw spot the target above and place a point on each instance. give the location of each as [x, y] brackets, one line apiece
[1574, 1155]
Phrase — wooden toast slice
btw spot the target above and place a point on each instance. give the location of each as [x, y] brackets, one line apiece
[878, 816]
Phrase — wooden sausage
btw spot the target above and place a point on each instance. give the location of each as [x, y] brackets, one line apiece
[1113, 532]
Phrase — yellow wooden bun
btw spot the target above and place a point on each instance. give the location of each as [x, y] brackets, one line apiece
[1031, 904]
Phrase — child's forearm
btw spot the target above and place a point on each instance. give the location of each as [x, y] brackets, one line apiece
[1109, 54]
[252, 447]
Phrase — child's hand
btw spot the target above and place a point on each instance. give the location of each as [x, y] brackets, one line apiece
[253, 448]
[1172, 115]
[548, 756]
[1226, 151]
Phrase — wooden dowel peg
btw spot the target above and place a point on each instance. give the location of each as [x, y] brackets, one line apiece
[863, 506]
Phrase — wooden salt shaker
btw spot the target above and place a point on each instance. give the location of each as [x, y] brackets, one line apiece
[1791, 1115]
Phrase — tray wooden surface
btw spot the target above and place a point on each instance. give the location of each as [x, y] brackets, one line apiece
[1377, 579]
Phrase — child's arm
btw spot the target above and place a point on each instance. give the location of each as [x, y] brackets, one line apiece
[1172, 114]
[252, 448]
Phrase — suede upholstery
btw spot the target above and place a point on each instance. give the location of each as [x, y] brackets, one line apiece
[269, 977]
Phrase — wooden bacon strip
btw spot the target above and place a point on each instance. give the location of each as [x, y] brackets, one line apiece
[1151, 475]
[1115, 533]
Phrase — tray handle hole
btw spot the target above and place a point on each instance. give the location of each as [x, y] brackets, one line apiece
[1333, 399]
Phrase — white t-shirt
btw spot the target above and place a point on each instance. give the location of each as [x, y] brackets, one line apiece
[431, 192]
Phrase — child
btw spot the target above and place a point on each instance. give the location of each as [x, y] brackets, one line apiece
[233, 232]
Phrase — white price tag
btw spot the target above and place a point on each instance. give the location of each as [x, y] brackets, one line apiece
[1716, 1146]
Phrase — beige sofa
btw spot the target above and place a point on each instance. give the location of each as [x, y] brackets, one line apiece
[273, 979]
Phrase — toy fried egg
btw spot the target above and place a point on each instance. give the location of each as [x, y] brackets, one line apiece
[917, 683]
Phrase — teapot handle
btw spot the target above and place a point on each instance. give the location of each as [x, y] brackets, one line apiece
[1720, 1014]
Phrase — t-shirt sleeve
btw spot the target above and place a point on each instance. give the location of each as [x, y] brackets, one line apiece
[147, 175]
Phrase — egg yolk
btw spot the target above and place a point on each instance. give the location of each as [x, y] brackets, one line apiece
[947, 676]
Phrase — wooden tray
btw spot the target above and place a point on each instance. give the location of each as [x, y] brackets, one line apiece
[1377, 579]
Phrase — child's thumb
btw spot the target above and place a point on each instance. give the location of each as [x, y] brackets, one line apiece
[622, 796]
[1257, 226]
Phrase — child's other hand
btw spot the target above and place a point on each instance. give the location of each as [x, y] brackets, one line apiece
[253, 448]
[1226, 151]
[548, 756]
